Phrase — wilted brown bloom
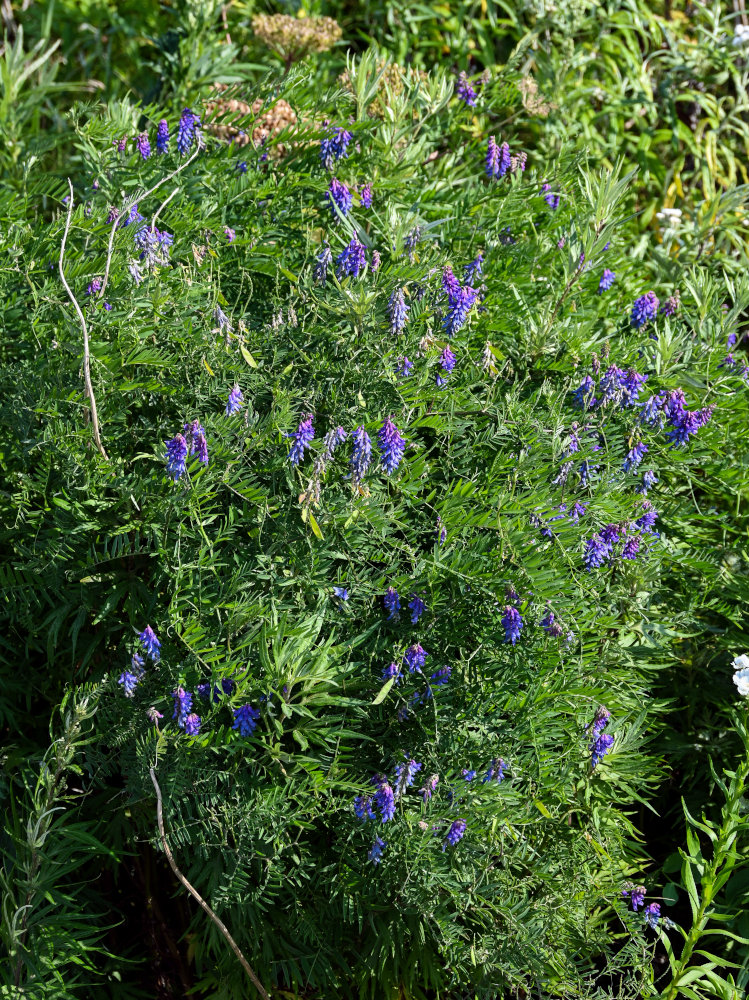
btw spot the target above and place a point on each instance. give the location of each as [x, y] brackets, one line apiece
[533, 103]
[294, 38]
[268, 123]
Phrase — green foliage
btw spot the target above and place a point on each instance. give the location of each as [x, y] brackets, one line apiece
[235, 563]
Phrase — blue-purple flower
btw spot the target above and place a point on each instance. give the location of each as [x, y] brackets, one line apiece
[392, 446]
[512, 624]
[339, 197]
[584, 393]
[644, 310]
[652, 915]
[474, 268]
[415, 658]
[403, 367]
[392, 603]
[460, 306]
[417, 607]
[363, 807]
[334, 146]
[351, 259]
[631, 547]
[162, 136]
[375, 851]
[634, 456]
[191, 724]
[144, 146]
[323, 261]
[498, 159]
[397, 310]
[384, 799]
[245, 720]
[607, 280]
[495, 771]
[234, 402]
[176, 456]
[188, 122]
[551, 199]
[361, 456]
[427, 789]
[182, 705]
[150, 643]
[636, 895]
[195, 435]
[455, 833]
[465, 92]
[365, 196]
[301, 439]
[129, 682]
[404, 776]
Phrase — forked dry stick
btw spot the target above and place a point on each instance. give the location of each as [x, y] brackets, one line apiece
[196, 895]
[82, 318]
[134, 202]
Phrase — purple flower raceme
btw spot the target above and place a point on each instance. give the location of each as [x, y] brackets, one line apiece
[417, 608]
[334, 146]
[551, 199]
[552, 626]
[121, 144]
[442, 676]
[634, 456]
[465, 92]
[649, 479]
[392, 446]
[447, 360]
[334, 437]
[182, 705]
[601, 743]
[512, 624]
[339, 198]
[94, 287]
[245, 720]
[362, 455]
[365, 196]
[397, 311]
[323, 261]
[495, 771]
[129, 682]
[375, 851]
[150, 643]
[392, 603]
[498, 159]
[143, 144]
[352, 259]
[176, 456]
[341, 593]
[393, 671]
[384, 798]
[404, 776]
[652, 915]
[584, 394]
[607, 280]
[195, 435]
[427, 789]
[455, 833]
[191, 724]
[234, 402]
[410, 241]
[301, 439]
[636, 895]
[403, 367]
[363, 807]
[162, 137]
[415, 658]
[230, 234]
[671, 306]
[597, 551]
[460, 305]
[647, 521]
[375, 261]
[644, 310]
[473, 270]
[188, 122]
[631, 547]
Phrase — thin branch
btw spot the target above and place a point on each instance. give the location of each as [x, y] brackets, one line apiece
[134, 202]
[196, 895]
[82, 318]
[161, 207]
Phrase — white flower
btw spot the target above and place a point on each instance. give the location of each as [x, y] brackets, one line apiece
[741, 676]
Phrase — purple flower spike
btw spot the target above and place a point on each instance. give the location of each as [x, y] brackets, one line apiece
[362, 455]
[365, 196]
[392, 446]
[129, 682]
[397, 311]
[176, 455]
[144, 146]
[512, 624]
[352, 259]
[192, 724]
[162, 137]
[392, 603]
[634, 456]
[150, 643]
[465, 92]
[384, 800]
[417, 608]
[188, 122]
[644, 310]
[339, 197]
[182, 705]
[415, 658]
[195, 434]
[245, 720]
[235, 401]
[334, 146]
[455, 833]
[302, 438]
[375, 851]
[652, 915]
[607, 280]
